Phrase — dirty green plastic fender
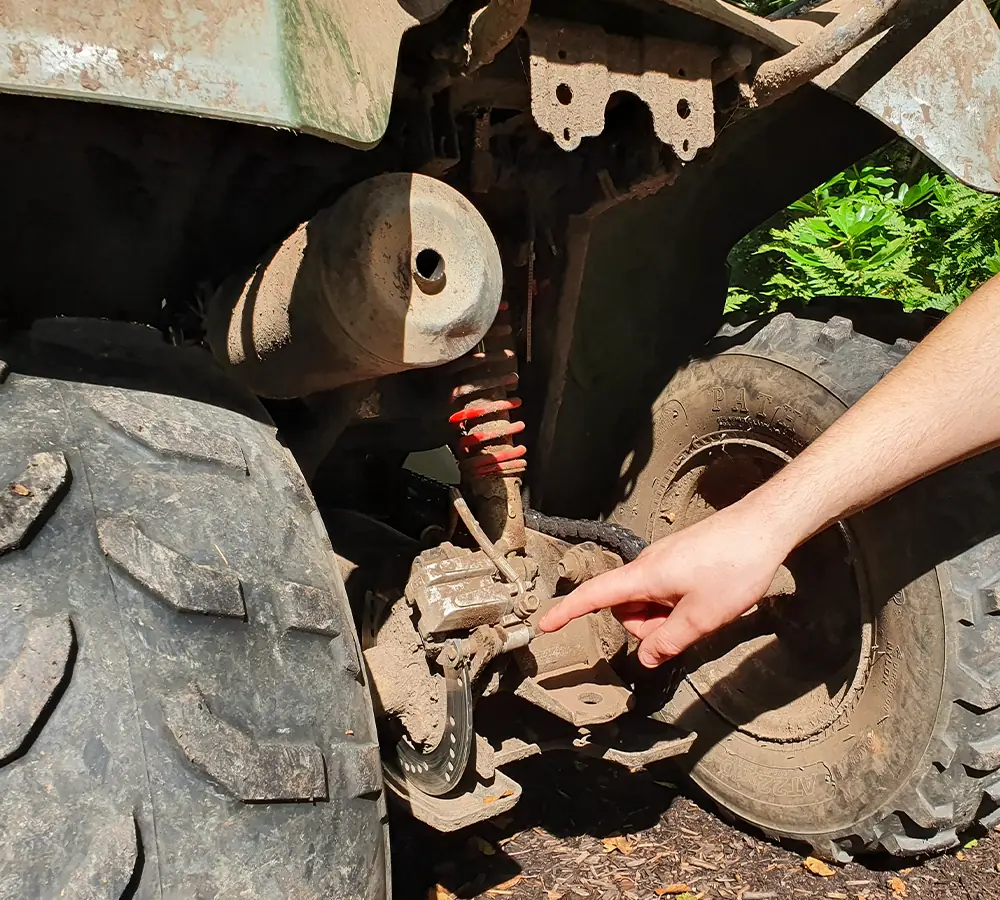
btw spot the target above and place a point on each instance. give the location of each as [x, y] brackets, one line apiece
[327, 67]
[324, 67]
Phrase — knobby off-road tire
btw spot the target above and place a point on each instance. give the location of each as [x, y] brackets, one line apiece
[864, 713]
[182, 710]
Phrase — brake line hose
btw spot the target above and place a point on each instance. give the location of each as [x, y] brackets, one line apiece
[625, 543]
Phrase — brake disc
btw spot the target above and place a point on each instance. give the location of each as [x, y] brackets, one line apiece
[437, 768]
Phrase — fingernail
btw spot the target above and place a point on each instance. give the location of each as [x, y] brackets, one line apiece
[648, 659]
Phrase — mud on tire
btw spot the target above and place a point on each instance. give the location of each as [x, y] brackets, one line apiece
[866, 713]
[182, 711]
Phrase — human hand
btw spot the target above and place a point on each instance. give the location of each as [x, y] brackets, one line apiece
[686, 585]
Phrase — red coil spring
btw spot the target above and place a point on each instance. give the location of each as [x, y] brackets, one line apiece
[486, 445]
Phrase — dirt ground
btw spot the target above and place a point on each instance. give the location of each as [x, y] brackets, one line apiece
[586, 830]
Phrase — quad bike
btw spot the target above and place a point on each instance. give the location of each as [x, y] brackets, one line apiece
[282, 255]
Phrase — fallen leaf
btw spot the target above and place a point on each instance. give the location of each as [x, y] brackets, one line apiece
[619, 843]
[672, 889]
[968, 845]
[506, 793]
[505, 885]
[897, 886]
[960, 856]
[906, 871]
[818, 867]
[553, 895]
[483, 846]
[439, 892]
[16, 487]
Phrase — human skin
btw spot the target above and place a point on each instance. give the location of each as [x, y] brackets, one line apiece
[940, 405]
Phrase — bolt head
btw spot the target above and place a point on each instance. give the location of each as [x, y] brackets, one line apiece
[527, 604]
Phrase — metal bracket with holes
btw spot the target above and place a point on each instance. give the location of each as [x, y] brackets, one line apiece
[576, 68]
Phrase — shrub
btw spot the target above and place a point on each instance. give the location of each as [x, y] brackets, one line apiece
[868, 232]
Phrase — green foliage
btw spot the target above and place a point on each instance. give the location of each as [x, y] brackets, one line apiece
[766, 7]
[874, 230]
[870, 232]
[762, 7]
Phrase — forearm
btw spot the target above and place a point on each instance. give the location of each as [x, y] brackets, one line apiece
[940, 405]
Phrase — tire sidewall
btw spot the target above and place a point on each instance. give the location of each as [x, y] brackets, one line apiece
[850, 771]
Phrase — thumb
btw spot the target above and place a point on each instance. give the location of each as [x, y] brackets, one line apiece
[671, 638]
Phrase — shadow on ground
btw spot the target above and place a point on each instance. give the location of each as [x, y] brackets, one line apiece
[587, 830]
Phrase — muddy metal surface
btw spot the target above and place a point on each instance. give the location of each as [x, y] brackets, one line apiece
[316, 67]
[590, 831]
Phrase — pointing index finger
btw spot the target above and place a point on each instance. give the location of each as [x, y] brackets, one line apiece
[613, 588]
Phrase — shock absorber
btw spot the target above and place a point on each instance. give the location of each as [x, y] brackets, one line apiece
[490, 461]
[489, 372]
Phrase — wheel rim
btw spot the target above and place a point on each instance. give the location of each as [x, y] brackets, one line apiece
[794, 665]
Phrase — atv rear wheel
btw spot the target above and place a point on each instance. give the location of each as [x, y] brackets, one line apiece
[182, 708]
[862, 712]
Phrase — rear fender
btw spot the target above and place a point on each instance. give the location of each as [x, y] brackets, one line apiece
[934, 81]
[943, 95]
[323, 67]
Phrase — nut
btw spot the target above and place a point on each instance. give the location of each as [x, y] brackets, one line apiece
[525, 605]
[526, 568]
[448, 655]
[586, 561]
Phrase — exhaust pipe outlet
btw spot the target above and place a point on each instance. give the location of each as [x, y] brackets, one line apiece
[402, 272]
